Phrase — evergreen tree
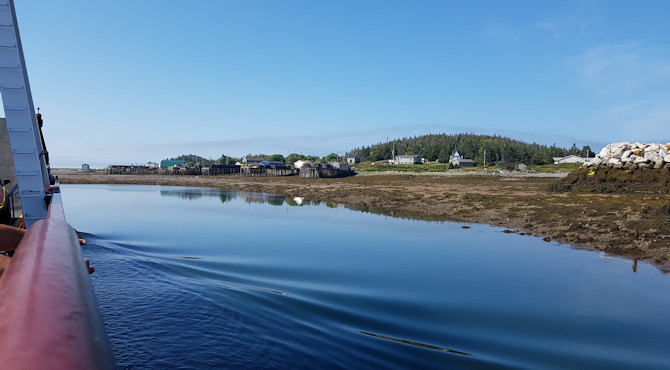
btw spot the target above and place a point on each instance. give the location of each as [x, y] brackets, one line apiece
[275, 157]
[440, 147]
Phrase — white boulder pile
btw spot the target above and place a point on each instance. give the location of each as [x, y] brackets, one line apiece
[629, 156]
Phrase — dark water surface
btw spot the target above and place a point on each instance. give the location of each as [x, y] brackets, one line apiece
[196, 278]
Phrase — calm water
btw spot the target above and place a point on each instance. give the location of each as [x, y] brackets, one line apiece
[196, 278]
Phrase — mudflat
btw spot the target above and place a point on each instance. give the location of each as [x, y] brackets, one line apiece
[634, 225]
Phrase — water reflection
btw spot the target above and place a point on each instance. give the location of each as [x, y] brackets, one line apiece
[297, 201]
[191, 193]
[247, 197]
[396, 214]
[300, 201]
[226, 197]
[279, 200]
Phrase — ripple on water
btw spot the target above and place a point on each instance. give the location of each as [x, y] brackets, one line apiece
[150, 318]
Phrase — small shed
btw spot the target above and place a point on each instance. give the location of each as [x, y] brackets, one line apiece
[407, 159]
[507, 165]
[339, 165]
[462, 162]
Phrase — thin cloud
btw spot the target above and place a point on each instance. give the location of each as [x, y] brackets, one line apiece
[556, 28]
[562, 27]
[643, 121]
[502, 33]
[632, 79]
[621, 68]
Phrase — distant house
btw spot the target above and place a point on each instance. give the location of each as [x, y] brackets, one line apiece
[152, 165]
[462, 162]
[302, 162]
[339, 165]
[353, 158]
[85, 167]
[457, 160]
[407, 159]
[252, 160]
[273, 164]
[166, 163]
[571, 159]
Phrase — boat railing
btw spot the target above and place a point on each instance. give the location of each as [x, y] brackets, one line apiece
[49, 316]
[11, 201]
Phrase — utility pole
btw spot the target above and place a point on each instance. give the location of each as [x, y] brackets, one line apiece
[484, 157]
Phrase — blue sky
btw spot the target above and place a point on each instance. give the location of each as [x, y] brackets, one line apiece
[131, 81]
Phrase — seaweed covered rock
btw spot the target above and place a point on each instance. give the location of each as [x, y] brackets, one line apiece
[615, 179]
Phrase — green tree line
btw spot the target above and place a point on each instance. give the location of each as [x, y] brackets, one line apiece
[193, 160]
[440, 147]
[196, 160]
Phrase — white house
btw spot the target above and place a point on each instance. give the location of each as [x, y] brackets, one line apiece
[571, 159]
[252, 160]
[152, 165]
[458, 160]
[353, 158]
[407, 159]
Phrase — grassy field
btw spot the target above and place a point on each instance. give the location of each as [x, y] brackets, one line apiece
[383, 166]
[444, 167]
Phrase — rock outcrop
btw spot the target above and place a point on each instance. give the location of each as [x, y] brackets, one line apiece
[633, 155]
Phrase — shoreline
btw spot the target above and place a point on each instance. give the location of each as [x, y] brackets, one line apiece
[627, 225]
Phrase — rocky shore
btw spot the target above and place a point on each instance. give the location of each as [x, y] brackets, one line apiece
[634, 225]
[622, 168]
[633, 155]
